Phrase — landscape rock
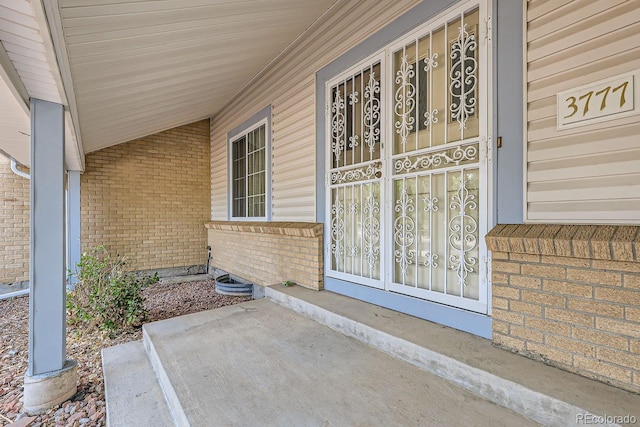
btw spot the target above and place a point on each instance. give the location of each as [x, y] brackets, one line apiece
[86, 407]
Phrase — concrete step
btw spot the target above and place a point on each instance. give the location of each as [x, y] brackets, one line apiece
[301, 357]
[133, 395]
[261, 364]
[542, 393]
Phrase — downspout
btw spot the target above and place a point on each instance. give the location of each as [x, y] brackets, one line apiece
[14, 168]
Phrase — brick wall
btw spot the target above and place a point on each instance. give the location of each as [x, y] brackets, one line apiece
[570, 295]
[149, 199]
[14, 225]
[266, 253]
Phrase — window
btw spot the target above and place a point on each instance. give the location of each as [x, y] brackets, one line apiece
[249, 151]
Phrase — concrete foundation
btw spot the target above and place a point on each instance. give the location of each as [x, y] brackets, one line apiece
[46, 390]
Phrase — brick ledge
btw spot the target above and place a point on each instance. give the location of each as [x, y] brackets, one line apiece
[295, 229]
[602, 242]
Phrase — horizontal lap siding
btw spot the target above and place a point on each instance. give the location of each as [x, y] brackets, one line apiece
[289, 85]
[589, 173]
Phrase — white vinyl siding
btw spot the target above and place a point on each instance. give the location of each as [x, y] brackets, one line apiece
[591, 173]
[288, 84]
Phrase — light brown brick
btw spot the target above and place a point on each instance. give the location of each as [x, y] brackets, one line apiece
[595, 277]
[14, 224]
[558, 328]
[500, 255]
[596, 307]
[551, 354]
[621, 358]
[635, 346]
[543, 298]
[501, 303]
[544, 271]
[525, 282]
[508, 316]
[601, 338]
[508, 342]
[526, 308]
[570, 345]
[150, 198]
[571, 317]
[505, 267]
[505, 292]
[531, 258]
[620, 296]
[527, 334]
[632, 314]
[602, 368]
[566, 261]
[618, 327]
[500, 327]
[564, 287]
[631, 281]
[630, 267]
[499, 278]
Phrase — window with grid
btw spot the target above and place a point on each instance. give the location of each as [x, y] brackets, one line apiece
[249, 174]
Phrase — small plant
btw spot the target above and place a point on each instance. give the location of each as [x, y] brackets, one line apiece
[106, 296]
[288, 283]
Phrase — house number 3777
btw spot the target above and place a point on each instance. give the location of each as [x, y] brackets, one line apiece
[604, 93]
[599, 101]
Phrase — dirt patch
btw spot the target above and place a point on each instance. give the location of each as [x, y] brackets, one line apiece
[87, 407]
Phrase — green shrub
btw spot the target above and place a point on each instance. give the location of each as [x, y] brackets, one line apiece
[105, 295]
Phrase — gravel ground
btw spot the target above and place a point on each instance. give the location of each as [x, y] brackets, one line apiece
[87, 408]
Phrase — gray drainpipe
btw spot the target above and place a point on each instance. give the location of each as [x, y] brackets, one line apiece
[14, 168]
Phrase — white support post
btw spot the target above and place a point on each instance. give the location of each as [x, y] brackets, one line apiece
[50, 378]
[74, 249]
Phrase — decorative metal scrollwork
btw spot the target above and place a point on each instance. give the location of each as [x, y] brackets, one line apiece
[430, 117]
[463, 77]
[337, 126]
[372, 112]
[371, 231]
[353, 100]
[463, 232]
[455, 156]
[404, 231]
[405, 100]
[369, 172]
[431, 260]
[430, 62]
[430, 204]
[337, 229]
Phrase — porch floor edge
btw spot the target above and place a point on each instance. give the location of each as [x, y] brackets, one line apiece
[540, 392]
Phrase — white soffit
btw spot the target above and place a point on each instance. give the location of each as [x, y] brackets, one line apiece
[14, 126]
[28, 69]
[140, 67]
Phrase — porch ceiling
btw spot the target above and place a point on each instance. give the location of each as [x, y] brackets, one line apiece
[140, 67]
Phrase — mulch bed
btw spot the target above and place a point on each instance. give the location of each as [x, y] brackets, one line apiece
[87, 407]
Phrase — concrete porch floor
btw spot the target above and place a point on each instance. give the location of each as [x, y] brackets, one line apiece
[305, 358]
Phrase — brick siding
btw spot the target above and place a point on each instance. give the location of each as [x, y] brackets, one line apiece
[269, 252]
[570, 296]
[14, 225]
[149, 199]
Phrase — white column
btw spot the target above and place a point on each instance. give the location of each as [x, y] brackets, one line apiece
[50, 378]
[74, 249]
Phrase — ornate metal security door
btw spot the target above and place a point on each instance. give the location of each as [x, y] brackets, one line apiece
[356, 174]
[438, 169]
[407, 136]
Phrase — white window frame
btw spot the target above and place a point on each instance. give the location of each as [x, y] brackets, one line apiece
[231, 139]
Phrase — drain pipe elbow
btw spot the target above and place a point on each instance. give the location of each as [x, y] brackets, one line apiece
[14, 169]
